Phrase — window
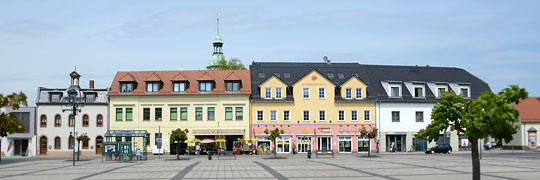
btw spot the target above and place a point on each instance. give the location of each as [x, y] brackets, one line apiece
[55, 97]
[367, 115]
[71, 120]
[306, 115]
[232, 86]
[340, 75]
[419, 116]
[273, 115]
[348, 93]
[157, 113]
[70, 142]
[440, 90]
[228, 113]
[174, 114]
[239, 113]
[305, 93]
[322, 115]
[99, 120]
[358, 93]
[129, 114]
[276, 74]
[341, 115]
[465, 92]
[146, 114]
[418, 92]
[90, 97]
[330, 75]
[394, 92]
[183, 113]
[260, 115]
[57, 120]
[267, 93]
[261, 75]
[278, 93]
[85, 121]
[85, 144]
[198, 113]
[395, 116]
[118, 114]
[24, 117]
[211, 113]
[322, 93]
[287, 75]
[43, 121]
[126, 87]
[354, 115]
[57, 143]
[286, 115]
[179, 86]
[152, 87]
[205, 86]
[345, 143]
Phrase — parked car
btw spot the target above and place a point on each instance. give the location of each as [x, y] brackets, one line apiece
[440, 148]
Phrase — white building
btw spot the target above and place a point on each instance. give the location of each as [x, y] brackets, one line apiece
[55, 121]
[20, 144]
[529, 124]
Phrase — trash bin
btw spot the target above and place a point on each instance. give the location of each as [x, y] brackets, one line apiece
[209, 155]
[309, 154]
[237, 151]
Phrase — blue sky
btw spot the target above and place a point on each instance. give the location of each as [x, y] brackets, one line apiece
[42, 41]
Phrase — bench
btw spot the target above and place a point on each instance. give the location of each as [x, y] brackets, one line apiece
[324, 153]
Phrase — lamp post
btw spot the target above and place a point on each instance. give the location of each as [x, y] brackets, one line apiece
[73, 102]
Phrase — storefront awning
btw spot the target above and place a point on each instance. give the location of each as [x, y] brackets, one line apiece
[218, 131]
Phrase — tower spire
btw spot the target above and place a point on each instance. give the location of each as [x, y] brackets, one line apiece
[217, 56]
[218, 14]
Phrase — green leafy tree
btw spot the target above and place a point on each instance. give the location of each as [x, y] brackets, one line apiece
[272, 136]
[370, 134]
[179, 136]
[231, 64]
[9, 123]
[489, 115]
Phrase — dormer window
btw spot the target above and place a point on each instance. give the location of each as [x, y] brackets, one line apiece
[465, 92]
[55, 97]
[394, 91]
[179, 86]
[232, 86]
[287, 75]
[72, 94]
[340, 75]
[348, 93]
[261, 75]
[418, 92]
[126, 87]
[205, 86]
[152, 87]
[330, 75]
[268, 93]
[90, 97]
[358, 93]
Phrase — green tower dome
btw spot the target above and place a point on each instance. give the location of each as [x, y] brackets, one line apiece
[218, 39]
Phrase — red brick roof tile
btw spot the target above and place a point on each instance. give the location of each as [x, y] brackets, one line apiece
[529, 109]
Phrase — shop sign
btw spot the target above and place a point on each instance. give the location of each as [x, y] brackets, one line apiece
[325, 129]
[396, 132]
[532, 140]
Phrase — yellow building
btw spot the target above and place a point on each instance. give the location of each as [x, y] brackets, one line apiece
[211, 104]
[319, 106]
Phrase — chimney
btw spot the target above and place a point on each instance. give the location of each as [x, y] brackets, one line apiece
[91, 85]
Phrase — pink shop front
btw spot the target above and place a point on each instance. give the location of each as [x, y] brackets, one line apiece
[342, 138]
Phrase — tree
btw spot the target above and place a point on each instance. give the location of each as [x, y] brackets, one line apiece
[272, 136]
[9, 123]
[489, 115]
[84, 138]
[370, 134]
[232, 64]
[179, 136]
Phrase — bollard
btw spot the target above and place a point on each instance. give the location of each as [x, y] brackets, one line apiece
[209, 155]
[309, 154]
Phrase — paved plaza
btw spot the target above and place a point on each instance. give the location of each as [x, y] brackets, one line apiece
[495, 165]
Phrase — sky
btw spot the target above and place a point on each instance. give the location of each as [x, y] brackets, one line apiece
[41, 42]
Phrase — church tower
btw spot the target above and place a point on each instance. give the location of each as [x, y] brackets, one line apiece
[218, 49]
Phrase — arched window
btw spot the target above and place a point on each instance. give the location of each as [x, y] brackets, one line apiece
[57, 120]
[43, 120]
[71, 121]
[70, 143]
[85, 144]
[85, 121]
[99, 121]
[57, 143]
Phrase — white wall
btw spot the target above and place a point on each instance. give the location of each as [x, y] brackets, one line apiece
[407, 116]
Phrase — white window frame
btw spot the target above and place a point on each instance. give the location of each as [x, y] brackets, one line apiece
[323, 111]
[441, 87]
[343, 115]
[275, 115]
[323, 93]
[356, 112]
[357, 91]
[348, 93]
[423, 91]
[369, 115]
[154, 86]
[289, 112]
[262, 113]
[179, 86]
[345, 138]
[392, 85]
[304, 92]
[266, 93]
[416, 116]
[468, 91]
[280, 92]
[308, 117]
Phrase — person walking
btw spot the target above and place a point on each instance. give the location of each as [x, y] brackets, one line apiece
[198, 149]
[138, 154]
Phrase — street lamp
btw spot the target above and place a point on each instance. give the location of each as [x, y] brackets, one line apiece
[73, 102]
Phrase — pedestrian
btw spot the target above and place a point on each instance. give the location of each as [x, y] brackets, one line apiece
[138, 154]
[378, 147]
[198, 149]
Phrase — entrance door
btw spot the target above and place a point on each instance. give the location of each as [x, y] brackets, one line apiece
[99, 144]
[419, 144]
[43, 145]
[325, 143]
[304, 143]
[395, 143]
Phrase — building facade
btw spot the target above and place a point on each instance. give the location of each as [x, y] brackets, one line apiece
[55, 121]
[405, 97]
[209, 103]
[20, 144]
[320, 106]
[529, 124]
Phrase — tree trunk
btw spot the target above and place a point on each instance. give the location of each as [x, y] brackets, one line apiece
[475, 159]
[275, 152]
[369, 149]
[177, 152]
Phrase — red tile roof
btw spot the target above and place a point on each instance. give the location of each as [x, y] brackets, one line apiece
[232, 77]
[167, 77]
[529, 109]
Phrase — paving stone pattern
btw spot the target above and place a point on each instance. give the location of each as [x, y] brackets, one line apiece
[417, 166]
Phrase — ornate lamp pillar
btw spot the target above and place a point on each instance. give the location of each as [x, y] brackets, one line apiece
[73, 102]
